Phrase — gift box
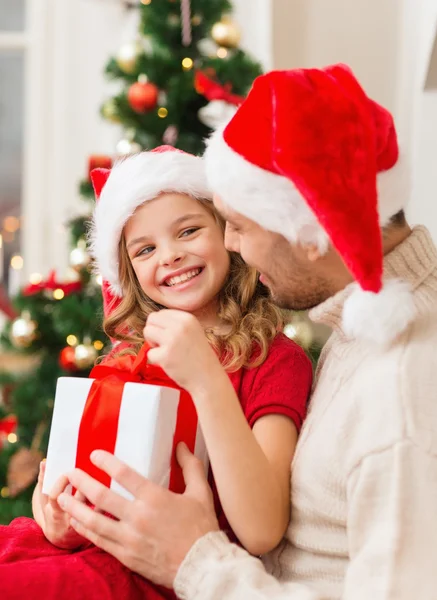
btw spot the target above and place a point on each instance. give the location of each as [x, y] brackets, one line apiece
[129, 408]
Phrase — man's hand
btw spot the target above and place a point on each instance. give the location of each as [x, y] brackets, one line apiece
[155, 531]
[54, 522]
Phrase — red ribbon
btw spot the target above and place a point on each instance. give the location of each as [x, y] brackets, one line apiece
[50, 284]
[99, 424]
[212, 90]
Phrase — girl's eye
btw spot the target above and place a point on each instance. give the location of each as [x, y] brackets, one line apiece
[146, 250]
[189, 231]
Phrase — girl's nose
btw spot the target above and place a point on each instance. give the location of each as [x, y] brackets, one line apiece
[170, 257]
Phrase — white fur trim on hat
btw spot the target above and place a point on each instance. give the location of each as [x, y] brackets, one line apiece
[270, 200]
[133, 181]
[380, 317]
[273, 201]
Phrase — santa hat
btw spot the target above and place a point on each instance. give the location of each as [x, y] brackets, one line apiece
[310, 156]
[121, 190]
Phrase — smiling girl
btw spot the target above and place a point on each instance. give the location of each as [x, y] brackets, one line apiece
[159, 243]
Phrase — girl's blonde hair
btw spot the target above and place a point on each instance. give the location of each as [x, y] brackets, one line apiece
[249, 317]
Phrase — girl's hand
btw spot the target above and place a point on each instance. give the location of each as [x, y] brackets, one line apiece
[54, 522]
[180, 347]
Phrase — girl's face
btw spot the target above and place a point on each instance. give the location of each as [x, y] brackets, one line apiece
[177, 251]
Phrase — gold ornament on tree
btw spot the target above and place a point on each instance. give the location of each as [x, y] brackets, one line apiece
[23, 466]
[23, 331]
[79, 257]
[110, 111]
[85, 355]
[127, 57]
[300, 331]
[226, 33]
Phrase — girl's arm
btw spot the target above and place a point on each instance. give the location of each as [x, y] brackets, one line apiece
[251, 467]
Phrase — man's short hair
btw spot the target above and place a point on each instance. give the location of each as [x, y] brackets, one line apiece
[398, 220]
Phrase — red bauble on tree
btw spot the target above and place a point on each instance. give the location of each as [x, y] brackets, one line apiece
[142, 96]
[67, 359]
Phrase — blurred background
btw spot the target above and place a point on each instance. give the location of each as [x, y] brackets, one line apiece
[86, 81]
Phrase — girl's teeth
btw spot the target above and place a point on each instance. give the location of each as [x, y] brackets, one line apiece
[183, 277]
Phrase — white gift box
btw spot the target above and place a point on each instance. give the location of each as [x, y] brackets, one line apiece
[146, 427]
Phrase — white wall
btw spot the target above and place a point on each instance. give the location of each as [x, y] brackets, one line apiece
[255, 20]
[70, 44]
[388, 43]
[423, 206]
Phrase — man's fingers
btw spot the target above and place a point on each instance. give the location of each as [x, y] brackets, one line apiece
[98, 494]
[96, 525]
[128, 478]
[79, 496]
[194, 474]
[106, 544]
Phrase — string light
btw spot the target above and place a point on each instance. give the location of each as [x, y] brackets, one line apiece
[99, 280]
[187, 64]
[11, 224]
[12, 438]
[4, 492]
[162, 112]
[222, 52]
[17, 262]
[98, 345]
[146, 2]
[72, 340]
[58, 294]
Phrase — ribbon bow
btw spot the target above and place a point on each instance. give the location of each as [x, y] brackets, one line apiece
[99, 425]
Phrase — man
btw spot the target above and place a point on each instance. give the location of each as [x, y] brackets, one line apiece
[308, 174]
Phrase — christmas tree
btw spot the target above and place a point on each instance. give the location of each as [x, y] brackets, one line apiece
[178, 78]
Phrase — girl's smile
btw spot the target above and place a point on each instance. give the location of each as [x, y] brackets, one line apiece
[175, 245]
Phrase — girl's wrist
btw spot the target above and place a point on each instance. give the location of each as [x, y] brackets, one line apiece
[208, 383]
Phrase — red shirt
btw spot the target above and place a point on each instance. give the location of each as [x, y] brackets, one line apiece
[280, 385]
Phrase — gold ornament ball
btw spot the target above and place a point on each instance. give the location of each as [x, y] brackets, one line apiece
[85, 355]
[300, 332]
[110, 112]
[23, 331]
[79, 257]
[226, 33]
[127, 57]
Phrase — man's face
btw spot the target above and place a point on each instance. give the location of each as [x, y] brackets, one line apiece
[295, 282]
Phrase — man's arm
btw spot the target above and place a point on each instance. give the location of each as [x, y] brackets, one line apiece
[173, 539]
[392, 500]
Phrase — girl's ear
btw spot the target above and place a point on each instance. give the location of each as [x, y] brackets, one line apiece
[98, 178]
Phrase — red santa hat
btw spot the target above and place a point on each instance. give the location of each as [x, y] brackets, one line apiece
[310, 156]
[121, 190]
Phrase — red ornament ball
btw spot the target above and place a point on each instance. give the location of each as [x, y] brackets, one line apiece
[143, 97]
[67, 359]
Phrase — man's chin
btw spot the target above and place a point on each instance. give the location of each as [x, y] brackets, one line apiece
[291, 303]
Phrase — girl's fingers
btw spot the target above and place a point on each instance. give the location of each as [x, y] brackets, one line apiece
[59, 487]
[154, 335]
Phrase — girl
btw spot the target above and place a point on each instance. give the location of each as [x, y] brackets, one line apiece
[158, 242]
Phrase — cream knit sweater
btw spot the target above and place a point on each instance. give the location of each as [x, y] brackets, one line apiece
[364, 479]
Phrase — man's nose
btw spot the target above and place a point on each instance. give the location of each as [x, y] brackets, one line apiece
[232, 242]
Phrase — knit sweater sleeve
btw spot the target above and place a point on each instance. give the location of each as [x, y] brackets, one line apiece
[392, 497]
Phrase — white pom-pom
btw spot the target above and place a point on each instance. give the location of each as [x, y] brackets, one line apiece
[379, 317]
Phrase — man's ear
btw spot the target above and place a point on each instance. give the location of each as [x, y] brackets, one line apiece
[313, 252]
